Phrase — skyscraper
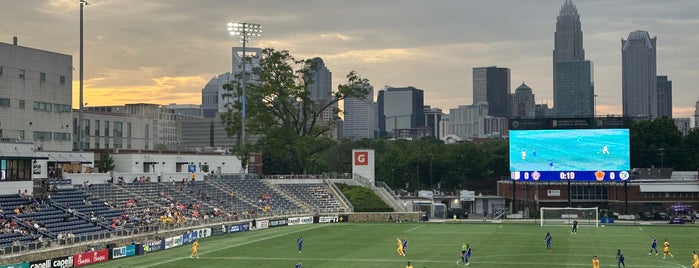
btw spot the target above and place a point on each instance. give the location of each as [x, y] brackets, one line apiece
[401, 110]
[523, 102]
[568, 38]
[639, 92]
[321, 93]
[664, 96]
[492, 85]
[573, 90]
[321, 87]
[360, 117]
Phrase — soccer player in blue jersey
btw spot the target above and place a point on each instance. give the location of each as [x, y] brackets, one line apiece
[654, 246]
[299, 243]
[467, 255]
[405, 245]
[620, 259]
[548, 241]
[299, 265]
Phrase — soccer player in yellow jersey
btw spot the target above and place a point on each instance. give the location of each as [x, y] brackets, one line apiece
[595, 262]
[666, 249]
[409, 265]
[695, 260]
[195, 249]
[400, 248]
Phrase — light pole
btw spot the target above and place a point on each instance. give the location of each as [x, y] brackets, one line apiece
[81, 135]
[245, 31]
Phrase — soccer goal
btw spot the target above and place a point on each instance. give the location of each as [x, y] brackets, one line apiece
[566, 216]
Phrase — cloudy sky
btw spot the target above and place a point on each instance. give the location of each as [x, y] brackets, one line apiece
[165, 51]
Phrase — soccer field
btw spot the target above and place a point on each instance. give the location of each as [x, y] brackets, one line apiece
[430, 245]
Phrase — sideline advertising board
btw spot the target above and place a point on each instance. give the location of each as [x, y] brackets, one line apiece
[278, 223]
[60, 262]
[172, 242]
[91, 257]
[16, 265]
[121, 252]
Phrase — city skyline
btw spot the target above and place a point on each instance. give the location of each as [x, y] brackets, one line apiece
[167, 52]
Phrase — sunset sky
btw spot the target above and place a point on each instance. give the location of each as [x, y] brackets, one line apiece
[165, 51]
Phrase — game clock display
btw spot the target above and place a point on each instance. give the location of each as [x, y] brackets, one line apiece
[570, 155]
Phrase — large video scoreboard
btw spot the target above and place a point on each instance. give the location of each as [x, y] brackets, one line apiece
[570, 155]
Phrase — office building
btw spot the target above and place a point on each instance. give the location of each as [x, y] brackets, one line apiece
[639, 92]
[522, 102]
[36, 97]
[492, 85]
[360, 117]
[320, 89]
[401, 112]
[664, 96]
[432, 118]
[575, 91]
[573, 86]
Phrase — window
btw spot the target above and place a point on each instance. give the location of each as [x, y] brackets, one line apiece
[42, 136]
[61, 108]
[62, 80]
[21, 135]
[42, 106]
[21, 73]
[4, 103]
[0, 71]
[60, 136]
[97, 128]
[21, 104]
[42, 77]
[15, 169]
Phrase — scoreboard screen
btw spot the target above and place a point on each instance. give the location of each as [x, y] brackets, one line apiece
[570, 154]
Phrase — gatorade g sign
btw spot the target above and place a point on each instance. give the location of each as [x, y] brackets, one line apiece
[361, 158]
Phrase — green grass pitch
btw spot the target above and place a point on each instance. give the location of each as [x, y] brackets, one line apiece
[430, 245]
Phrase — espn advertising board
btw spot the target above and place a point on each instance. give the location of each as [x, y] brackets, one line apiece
[91, 257]
[60, 262]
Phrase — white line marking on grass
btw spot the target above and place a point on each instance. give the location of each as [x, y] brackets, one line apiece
[495, 263]
[414, 228]
[237, 245]
[640, 228]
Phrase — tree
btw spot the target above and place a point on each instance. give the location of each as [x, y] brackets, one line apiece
[106, 162]
[280, 111]
[656, 143]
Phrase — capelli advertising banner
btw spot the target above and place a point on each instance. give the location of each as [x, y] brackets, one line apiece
[61, 262]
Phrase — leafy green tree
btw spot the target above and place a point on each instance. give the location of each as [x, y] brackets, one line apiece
[106, 163]
[280, 111]
[656, 143]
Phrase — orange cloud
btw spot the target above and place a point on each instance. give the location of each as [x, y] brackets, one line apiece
[163, 90]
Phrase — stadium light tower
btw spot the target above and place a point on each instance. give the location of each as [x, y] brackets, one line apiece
[81, 134]
[245, 31]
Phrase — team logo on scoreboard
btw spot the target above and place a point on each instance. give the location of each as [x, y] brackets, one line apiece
[599, 175]
[361, 158]
[536, 175]
[624, 175]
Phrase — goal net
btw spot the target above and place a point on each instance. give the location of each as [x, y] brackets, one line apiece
[566, 216]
